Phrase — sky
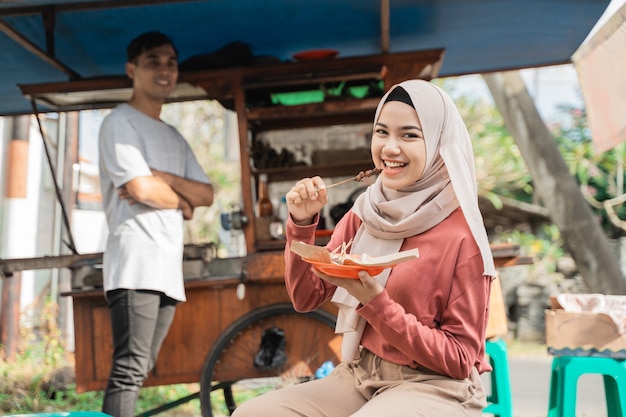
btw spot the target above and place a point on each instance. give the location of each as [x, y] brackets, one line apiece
[550, 87]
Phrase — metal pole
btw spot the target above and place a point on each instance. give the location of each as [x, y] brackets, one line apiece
[66, 220]
[17, 176]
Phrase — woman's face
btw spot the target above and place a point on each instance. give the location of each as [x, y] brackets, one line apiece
[398, 145]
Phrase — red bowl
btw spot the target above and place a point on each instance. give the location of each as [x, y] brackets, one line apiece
[315, 54]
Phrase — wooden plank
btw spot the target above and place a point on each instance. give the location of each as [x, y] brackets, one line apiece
[312, 120]
[102, 338]
[337, 108]
[266, 265]
[35, 50]
[79, 6]
[190, 339]
[8, 266]
[84, 342]
[245, 156]
[225, 83]
[384, 26]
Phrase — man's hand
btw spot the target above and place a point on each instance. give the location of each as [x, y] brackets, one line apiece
[186, 208]
[364, 289]
[179, 201]
[196, 193]
[123, 194]
[153, 192]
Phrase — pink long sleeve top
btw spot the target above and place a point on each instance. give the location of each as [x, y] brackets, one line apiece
[433, 311]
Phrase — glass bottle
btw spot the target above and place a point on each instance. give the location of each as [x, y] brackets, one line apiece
[283, 210]
[264, 206]
[282, 216]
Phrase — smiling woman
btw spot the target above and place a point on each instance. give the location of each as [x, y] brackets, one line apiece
[427, 344]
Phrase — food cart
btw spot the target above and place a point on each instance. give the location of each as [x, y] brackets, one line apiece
[217, 335]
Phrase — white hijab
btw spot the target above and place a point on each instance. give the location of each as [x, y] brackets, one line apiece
[389, 216]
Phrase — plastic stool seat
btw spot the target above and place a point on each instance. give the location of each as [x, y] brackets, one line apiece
[563, 383]
[499, 400]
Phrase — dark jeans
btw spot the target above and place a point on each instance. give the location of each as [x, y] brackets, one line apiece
[140, 321]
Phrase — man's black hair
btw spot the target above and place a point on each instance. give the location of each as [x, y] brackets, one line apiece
[146, 41]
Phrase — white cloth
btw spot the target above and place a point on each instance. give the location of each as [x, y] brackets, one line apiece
[613, 306]
[389, 216]
[145, 245]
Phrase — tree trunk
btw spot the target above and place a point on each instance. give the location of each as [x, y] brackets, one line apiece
[557, 188]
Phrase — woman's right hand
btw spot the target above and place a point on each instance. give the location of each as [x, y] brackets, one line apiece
[306, 199]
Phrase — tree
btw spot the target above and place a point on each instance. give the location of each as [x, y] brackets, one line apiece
[600, 175]
[558, 190]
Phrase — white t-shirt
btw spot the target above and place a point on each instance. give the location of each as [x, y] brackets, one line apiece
[145, 245]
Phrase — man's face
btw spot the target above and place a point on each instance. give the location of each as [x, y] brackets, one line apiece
[154, 72]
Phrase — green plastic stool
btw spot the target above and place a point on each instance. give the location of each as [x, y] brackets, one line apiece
[499, 400]
[565, 373]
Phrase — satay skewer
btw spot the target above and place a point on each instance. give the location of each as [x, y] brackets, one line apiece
[357, 178]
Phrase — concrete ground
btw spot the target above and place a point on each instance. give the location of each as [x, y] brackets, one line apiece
[530, 386]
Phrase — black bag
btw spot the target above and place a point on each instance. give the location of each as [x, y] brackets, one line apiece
[271, 354]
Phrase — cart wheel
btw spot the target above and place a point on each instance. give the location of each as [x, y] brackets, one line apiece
[230, 376]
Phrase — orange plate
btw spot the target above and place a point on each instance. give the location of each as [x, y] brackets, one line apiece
[345, 271]
[323, 232]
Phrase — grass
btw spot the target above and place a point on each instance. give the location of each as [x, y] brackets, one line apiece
[39, 378]
[27, 385]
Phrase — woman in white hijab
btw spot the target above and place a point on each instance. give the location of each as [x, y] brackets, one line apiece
[413, 336]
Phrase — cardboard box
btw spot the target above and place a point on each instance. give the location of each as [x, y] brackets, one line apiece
[497, 323]
[582, 333]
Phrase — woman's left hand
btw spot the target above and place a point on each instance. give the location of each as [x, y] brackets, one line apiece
[364, 289]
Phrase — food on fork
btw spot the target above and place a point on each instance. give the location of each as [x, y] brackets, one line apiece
[359, 177]
[364, 174]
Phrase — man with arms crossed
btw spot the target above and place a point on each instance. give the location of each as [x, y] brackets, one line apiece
[151, 182]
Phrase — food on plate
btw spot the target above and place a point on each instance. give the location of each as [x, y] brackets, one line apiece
[359, 177]
[340, 256]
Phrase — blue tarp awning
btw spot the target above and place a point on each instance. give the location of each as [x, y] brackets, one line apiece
[51, 41]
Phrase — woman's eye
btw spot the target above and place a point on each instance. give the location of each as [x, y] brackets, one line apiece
[412, 136]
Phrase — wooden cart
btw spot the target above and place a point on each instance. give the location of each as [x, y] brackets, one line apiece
[215, 335]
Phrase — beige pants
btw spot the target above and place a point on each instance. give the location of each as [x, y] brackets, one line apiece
[372, 387]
